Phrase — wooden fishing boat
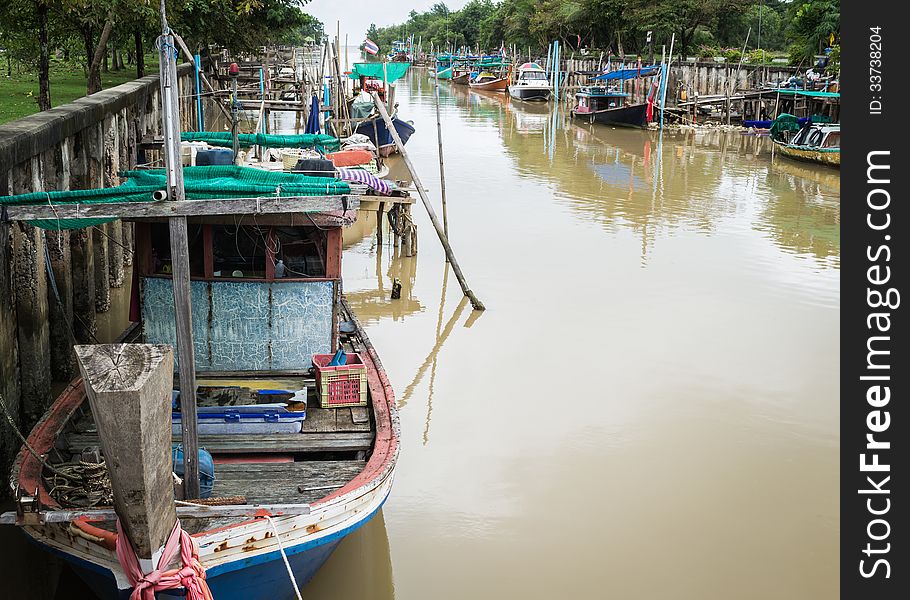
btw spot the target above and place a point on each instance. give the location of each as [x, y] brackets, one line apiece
[822, 156]
[531, 83]
[461, 77]
[443, 68]
[490, 82]
[597, 104]
[812, 142]
[375, 129]
[266, 290]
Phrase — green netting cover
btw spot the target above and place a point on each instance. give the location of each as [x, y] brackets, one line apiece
[200, 183]
[224, 139]
[394, 70]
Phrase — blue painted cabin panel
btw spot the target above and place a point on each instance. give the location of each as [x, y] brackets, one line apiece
[245, 325]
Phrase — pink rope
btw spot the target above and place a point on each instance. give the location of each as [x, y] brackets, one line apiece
[191, 576]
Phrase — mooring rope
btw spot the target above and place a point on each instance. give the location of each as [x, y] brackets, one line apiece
[83, 484]
[287, 564]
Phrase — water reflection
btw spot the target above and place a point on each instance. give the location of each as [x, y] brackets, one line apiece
[361, 567]
[658, 362]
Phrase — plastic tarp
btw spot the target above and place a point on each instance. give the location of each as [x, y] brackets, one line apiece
[312, 120]
[200, 183]
[393, 71]
[623, 74]
[809, 93]
[784, 122]
[224, 139]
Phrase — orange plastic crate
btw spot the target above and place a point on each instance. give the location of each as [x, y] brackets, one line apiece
[341, 386]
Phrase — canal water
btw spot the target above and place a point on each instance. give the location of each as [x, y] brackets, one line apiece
[648, 408]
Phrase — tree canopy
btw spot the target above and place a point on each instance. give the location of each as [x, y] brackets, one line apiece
[801, 26]
[96, 30]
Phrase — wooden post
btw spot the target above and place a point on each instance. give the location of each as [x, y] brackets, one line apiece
[205, 81]
[129, 389]
[735, 77]
[180, 262]
[475, 302]
[663, 93]
[442, 170]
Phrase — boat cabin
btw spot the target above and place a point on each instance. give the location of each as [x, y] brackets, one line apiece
[264, 290]
[531, 73]
[591, 99]
[818, 135]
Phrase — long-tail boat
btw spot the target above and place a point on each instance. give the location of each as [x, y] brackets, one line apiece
[490, 81]
[265, 282]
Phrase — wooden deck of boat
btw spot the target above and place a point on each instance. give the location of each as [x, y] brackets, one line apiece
[324, 430]
[284, 483]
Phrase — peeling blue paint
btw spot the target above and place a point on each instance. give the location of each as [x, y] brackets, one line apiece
[243, 326]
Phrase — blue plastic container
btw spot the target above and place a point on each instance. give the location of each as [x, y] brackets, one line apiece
[206, 469]
[219, 156]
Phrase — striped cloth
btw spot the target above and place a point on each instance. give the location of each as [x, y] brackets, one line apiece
[365, 177]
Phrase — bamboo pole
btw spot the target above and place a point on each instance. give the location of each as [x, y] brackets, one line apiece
[663, 96]
[442, 171]
[740, 66]
[189, 55]
[444, 240]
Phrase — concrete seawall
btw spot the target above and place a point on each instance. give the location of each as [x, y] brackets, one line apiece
[81, 145]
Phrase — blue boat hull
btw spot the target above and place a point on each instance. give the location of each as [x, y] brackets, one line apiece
[376, 130]
[263, 577]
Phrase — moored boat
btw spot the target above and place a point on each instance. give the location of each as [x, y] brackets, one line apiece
[375, 128]
[380, 78]
[268, 296]
[489, 81]
[597, 104]
[443, 70]
[610, 104]
[531, 83]
[811, 141]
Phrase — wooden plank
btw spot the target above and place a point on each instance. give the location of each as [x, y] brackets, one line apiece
[128, 387]
[333, 253]
[183, 512]
[167, 208]
[284, 443]
[360, 414]
[318, 420]
[285, 482]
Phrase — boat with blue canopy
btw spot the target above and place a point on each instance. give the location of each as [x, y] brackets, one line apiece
[606, 101]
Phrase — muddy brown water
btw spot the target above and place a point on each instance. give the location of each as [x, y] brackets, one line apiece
[649, 406]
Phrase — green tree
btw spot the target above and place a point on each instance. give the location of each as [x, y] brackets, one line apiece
[814, 25]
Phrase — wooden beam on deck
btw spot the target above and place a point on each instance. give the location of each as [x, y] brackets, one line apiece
[186, 208]
[183, 512]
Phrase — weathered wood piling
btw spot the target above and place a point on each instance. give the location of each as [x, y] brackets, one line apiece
[129, 390]
[80, 145]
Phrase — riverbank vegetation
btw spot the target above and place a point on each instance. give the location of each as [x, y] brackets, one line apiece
[46, 44]
[798, 29]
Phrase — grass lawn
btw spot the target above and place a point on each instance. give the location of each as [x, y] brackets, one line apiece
[19, 93]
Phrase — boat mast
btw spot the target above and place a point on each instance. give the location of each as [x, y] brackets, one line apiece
[180, 257]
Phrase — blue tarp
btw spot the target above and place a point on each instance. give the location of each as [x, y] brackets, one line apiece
[312, 122]
[623, 74]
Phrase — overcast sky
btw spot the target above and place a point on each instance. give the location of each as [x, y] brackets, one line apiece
[356, 15]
